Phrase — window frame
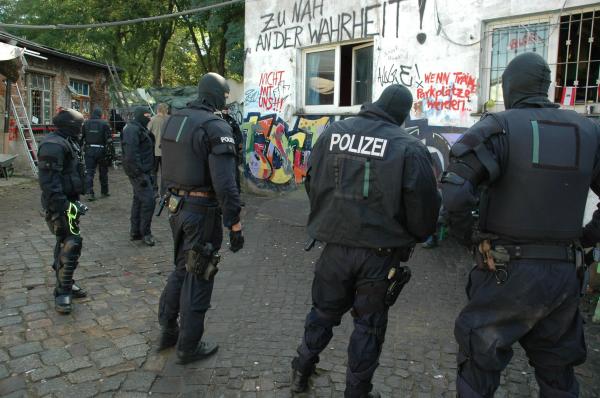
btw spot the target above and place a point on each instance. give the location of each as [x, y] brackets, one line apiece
[353, 88]
[334, 108]
[49, 91]
[553, 19]
[80, 97]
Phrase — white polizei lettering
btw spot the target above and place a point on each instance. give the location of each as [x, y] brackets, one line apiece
[335, 139]
[383, 148]
[227, 139]
[366, 145]
[354, 150]
[377, 144]
[365, 149]
[345, 142]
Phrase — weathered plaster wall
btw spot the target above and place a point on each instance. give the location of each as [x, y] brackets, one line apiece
[409, 49]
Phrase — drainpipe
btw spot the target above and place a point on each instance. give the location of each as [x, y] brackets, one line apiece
[6, 116]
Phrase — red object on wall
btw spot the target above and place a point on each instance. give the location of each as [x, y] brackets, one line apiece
[568, 96]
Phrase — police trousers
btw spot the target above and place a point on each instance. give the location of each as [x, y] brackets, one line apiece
[142, 206]
[95, 156]
[186, 295]
[348, 278]
[538, 306]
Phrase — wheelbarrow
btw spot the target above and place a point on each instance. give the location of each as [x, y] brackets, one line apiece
[6, 165]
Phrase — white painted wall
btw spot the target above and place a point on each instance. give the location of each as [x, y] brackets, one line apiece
[463, 21]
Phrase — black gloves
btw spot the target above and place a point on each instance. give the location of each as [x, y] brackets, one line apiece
[236, 240]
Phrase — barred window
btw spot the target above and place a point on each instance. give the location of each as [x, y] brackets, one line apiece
[507, 43]
[578, 61]
[40, 98]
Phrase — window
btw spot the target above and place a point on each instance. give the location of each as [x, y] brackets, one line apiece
[338, 76]
[40, 98]
[80, 96]
[578, 61]
[320, 77]
[507, 43]
[569, 41]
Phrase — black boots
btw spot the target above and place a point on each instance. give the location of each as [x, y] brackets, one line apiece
[62, 302]
[300, 377]
[204, 350]
[168, 338]
[77, 291]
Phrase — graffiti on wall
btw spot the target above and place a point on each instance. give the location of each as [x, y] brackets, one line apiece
[407, 75]
[445, 91]
[438, 139]
[304, 24]
[277, 153]
[273, 91]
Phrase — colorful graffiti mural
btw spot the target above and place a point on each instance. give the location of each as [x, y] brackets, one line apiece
[277, 153]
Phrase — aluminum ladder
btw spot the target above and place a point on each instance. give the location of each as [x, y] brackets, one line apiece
[24, 126]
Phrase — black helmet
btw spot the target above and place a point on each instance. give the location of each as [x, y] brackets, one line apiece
[68, 121]
[211, 90]
[396, 100]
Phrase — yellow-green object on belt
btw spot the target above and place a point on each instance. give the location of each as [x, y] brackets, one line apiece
[596, 318]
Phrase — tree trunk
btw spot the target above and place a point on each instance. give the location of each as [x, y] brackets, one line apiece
[165, 30]
[222, 51]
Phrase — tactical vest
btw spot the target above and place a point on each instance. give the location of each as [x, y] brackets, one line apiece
[542, 193]
[185, 150]
[94, 133]
[73, 172]
[356, 184]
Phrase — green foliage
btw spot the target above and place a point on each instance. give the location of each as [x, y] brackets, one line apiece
[136, 48]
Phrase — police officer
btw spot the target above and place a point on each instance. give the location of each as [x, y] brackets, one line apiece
[61, 178]
[138, 164]
[97, 142]
[199, 173]
[528, 171]
[372, 196]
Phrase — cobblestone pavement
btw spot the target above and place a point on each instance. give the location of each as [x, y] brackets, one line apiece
[105, 348]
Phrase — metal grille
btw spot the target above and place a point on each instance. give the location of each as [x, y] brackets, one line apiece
[510, 41]
[578, 61]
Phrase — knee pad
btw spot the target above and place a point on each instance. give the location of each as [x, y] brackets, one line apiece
[323, 318]
[71, 249]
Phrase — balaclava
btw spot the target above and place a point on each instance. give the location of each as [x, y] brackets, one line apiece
[396, 100]
[211, 90]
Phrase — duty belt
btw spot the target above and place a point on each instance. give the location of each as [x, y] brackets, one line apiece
[539, 252]
[196, 194]
[95, 145]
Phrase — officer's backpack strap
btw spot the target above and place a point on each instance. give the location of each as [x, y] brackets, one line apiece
[471, 151]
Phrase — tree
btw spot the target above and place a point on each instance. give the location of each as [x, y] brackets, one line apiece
[209, 41]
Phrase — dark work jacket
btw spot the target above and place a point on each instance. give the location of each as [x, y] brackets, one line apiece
[198, 154]
[531, 183]
[371, 184]
[61, 171]
[138, 150]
